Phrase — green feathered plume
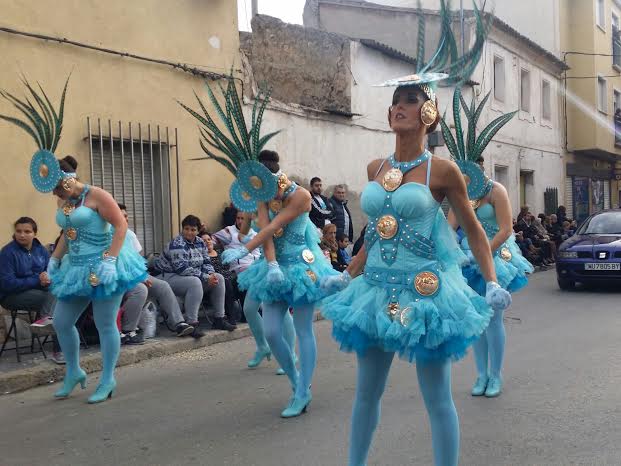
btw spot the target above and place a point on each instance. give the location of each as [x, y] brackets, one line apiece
[42, 122]
[472, 147]
[237, 143]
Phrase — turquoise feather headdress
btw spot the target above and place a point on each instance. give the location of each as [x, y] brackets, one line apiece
[239, 143]
[466, 152]
[445, 64]
[44, 124]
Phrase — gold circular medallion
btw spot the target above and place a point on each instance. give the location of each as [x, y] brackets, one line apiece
[93, 279]
[312, 275]
[428, 113]
[405, 318]
[283, 181]
[276, 205]
[387, 227]
[392, 310]
[43, 170]
[475, 203]
[256, 182]
[308, 256]
[279, 233]
[68, 208]
[72, 234]
[392, 179]
[505, 254]
[426, 283]
[246, 196]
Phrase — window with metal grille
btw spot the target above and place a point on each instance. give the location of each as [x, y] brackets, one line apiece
[136, 170]
[569, 197]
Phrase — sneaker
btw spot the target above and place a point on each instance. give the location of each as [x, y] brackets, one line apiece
[124, 337]
[58, 357]
[197, 333]
[220, 323]
[134, 338]
[184, 329]
[43, 326]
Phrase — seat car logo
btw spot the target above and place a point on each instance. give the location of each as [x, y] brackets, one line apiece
[602, 255]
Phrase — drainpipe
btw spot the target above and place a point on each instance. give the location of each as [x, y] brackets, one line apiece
[462, 26]
[255, 8]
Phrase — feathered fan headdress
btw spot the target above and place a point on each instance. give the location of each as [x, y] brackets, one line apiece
[466, 153]
[44, 124]
[239, 144]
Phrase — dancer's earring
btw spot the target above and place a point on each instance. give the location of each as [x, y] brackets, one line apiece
[428, 113]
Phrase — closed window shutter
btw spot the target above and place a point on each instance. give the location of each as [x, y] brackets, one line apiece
[606, 194]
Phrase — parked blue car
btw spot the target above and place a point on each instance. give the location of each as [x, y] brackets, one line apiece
[594, 252]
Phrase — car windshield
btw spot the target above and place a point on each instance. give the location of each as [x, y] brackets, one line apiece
[608, 223]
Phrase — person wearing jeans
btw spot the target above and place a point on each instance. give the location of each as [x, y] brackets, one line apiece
[24, 283]
[186, 266]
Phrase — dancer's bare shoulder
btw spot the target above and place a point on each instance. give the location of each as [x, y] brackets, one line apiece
[373, 168]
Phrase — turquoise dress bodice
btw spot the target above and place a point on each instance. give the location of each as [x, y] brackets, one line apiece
[510, 265]
[411, 298]
[301, 261]
[88, 237]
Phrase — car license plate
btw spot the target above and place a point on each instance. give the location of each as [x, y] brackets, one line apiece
[602, 266]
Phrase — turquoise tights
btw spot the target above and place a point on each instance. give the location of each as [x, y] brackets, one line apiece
[255, 322]
[491, 345]
[105, 311]
[274, 316]
[434, 380]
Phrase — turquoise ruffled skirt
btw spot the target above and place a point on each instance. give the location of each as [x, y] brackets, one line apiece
[71, 280]
[511, 274]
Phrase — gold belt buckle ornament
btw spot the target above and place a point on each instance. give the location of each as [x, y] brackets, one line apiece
[275, 205]
[505, 254]
[256, 182]
[426, 283]
[475, 203]
[392, 179]
[308, 256]
[279, 233]
[387, 227]
[392, 310]
[93, 279]
[312, 275]
[72, 234]
[246, 196]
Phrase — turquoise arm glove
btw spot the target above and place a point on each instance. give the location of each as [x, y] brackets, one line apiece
[52, 266]
[274, 274]
[496, 297]
[106, 271]
[334, 283]
[232, 255]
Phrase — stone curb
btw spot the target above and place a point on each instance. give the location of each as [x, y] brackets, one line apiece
[48, 372]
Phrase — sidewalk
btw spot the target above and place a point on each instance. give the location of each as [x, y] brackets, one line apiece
[34, 370]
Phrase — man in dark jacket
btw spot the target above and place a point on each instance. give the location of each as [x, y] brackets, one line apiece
[321, 210]
[342, 216]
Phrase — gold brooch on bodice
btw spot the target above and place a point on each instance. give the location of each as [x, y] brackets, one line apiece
[392, 179]
[505, 254]
[387, 227]
[426, 283]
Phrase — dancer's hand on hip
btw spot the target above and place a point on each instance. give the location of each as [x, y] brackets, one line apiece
[274, 274]
[496, 297]
[232, 255]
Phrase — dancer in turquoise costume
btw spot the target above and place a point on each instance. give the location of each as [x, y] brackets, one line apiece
[92, 262]
[287, 274]
[411, 298]
[490, 202]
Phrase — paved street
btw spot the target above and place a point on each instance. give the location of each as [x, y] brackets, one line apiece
[562, 403]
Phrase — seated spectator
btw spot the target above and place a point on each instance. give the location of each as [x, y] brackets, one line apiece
[555, 230]
[24, 283]
[529, 251]
[186, 266]
[541, 239]
[342, 255]
[230, 237]
[152, 289]
[561, 214]
[359, 242]
[330, 246]
[232, 306]
[567, 231]
[523, 211]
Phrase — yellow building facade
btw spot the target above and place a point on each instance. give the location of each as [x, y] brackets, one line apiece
[155, 53]
[591, 47]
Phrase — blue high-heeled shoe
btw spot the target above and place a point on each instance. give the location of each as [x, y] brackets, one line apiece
[103, 392]
[69, 384]
[478, 389]
[494, 387]
[297, 406]
[259, 356]
[281, 371]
